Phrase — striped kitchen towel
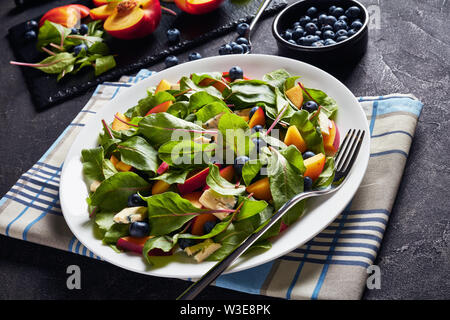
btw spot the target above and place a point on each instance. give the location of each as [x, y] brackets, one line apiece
[333, 265]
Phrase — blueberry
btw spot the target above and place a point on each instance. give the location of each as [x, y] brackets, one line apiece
[298, 33]
[345, 18]
[357, 24]
[242, 28]
[329, 42]
[337, 12]
[252, 111]
[331, 9]
[318, 33]
[194, 56]
[311, 28]
[257, 128]
[287, 35]
[225, 49]
[318, 44]
[77, 49]
[232, 44]
[171, 61]
[315, 21]
[184, 243]
[242, 40]
[173, 35]
[323, 18]
[328, 34]
[351, 32]
[331, 20]
[341, 33]
[296, 25]
[84, 29]
[316, 38]
[342, 38]
[246, 47]
[74, 31]
[312, 12]
[30, 35]
[310, 106]
[135, 200]
[236, 73]
[208, 226]
[304, 20]
[353, 12]
[307, 183]
[31, 25]
[326, 27]
[239, 164]
[237, 49]
[309, 40]
[139, 229]
[340, 24]
[308, 154]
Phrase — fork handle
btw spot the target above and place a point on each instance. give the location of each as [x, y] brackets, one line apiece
[264, 4]
[197, 287]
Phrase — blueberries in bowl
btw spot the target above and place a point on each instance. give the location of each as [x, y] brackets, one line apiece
[324, 26]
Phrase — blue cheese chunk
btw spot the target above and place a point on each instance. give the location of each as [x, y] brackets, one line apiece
[129, 215]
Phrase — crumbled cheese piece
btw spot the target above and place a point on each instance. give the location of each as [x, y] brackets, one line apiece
[214, 201]
[129, 215]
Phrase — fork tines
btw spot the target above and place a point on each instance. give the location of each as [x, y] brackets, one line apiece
[349, 149]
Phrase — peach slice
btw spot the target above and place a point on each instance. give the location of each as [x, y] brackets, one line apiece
[293, 137]
[260, 189]
[160, 107]
[331, 141]
[133, 19]
[197, 181]
[295, 94]
[163, 86]
[314, 166]
[119, 165]
[199, 222]
[118, 125]
[258, 118]
[160, 186]
[193, 198]
[219, 85]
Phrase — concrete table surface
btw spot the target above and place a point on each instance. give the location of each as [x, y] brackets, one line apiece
[408, 52]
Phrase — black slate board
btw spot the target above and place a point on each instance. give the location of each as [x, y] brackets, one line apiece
[136, 54]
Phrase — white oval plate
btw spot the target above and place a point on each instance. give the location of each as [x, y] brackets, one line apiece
[320, 211]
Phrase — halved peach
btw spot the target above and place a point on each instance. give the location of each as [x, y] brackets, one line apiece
[258, 118]
[118, 125]
[295, 94]
[68, 15]
[103, 12]
[260, 189]
[133, 19]
[314, 166]
[293, 137]
[198, 6]
[160, 186]
[99, 3]
[160, 107]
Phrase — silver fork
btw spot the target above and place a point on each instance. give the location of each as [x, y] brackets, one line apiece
[264, 4]
[344, 160]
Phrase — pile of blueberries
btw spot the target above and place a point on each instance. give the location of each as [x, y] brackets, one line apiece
[238, 46]
[318, 29]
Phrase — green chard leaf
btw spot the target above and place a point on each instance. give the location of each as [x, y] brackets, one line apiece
[309, 131]
[248, 93]
[51, 32]
[103, 64]
[277, 78]
[165, 243]
[327, 175]
[112, 194]
[168, 212]
[173, 176]
[186, 153]
[57, 63]
[138, 153]
[92, 160]
[220, 185]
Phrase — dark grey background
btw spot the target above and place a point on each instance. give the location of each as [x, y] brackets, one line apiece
[409, 53]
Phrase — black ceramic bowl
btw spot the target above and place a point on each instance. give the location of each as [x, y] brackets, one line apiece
[347, 51]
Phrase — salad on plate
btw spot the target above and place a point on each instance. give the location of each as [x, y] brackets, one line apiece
[200, 164]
